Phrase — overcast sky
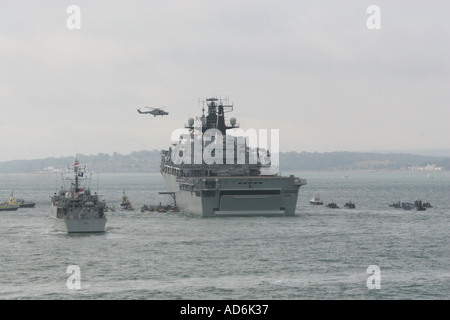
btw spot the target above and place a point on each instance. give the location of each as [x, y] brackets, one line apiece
[312, 69]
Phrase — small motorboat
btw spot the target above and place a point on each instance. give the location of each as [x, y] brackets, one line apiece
[20, 202]
[316, 200]
[332, 205]
[8, 207]
[350, 205]
[427, 205]
[144, 208]
[396, 205]
[125, 203]
[417, 205]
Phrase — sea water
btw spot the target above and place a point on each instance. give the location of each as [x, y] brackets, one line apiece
[320, 253]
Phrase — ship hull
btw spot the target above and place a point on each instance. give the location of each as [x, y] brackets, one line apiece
[28, 205]
[73, 225]
[235, 196]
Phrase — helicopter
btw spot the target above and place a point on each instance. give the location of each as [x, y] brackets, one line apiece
[154, 111]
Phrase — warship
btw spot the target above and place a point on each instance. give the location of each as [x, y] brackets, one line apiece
[239, 182]
[77, 210]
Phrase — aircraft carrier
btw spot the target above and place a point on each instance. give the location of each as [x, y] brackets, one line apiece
[210, 173]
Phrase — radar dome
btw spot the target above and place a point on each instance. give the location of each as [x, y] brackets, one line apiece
[233, 121]
[191, 121]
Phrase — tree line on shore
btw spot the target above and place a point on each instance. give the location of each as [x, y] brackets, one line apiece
[148, 161]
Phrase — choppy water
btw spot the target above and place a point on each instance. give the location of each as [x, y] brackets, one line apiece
[321, 253]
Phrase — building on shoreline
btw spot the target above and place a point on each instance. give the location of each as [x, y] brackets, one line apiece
[428, 167]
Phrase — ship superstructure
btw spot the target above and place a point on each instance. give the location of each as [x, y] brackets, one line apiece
[212, 173]
[77, 210]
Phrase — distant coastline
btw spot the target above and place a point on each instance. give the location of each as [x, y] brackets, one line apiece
[148, 161]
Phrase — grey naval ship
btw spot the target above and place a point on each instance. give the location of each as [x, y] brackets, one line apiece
[77, 210]
[224, 188]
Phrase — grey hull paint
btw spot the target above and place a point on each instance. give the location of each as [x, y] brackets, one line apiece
[77, 225]
[235, 196]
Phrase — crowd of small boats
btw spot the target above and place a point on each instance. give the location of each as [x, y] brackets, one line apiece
[14, 204]
[126, 205]
[317, 201]
[418, 205]
[159, 208]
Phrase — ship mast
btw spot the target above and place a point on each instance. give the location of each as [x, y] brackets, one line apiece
[215, 118]
[75, 169]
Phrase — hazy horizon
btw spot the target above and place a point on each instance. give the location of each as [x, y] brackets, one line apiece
[445, 153]
[315, 71]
